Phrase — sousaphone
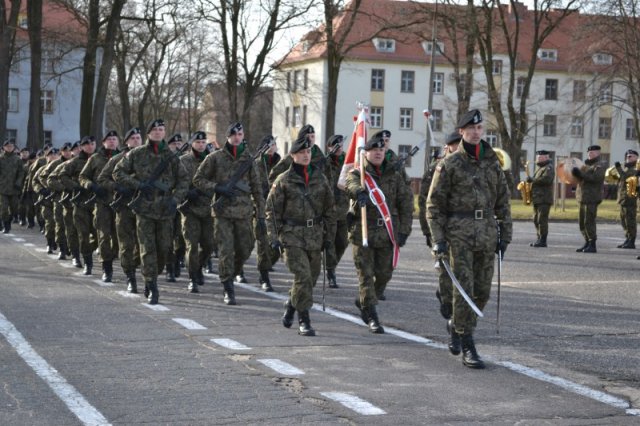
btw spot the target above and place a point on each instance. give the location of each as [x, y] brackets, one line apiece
[563, 170]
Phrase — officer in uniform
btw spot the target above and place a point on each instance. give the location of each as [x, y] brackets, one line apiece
[175, 257]
[542, 196]
[233, 227]
[589, 195]
[469, 188]
[11, 180]
[197, 223]
[129, 250]
[104, 218]
[375, 262]
[318, 159]
[628, 203]
[335, 161]
[155, 202]
[44, 201]
[444, 294]
[301, 215]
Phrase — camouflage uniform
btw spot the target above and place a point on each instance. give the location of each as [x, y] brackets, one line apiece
[11, 180]
[318, 160]
[628, 204]
[337, 249]
[29, 182]
[266, 257]
[155, 212]
[71, 233]
[589, 195]
[57, 209]
[542, 198]
[233, 227]
[28, 197]
[46, 206]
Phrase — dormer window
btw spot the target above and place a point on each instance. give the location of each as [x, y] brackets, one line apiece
[550, 55]
[428, 47]
[386, 45]
[602, 59]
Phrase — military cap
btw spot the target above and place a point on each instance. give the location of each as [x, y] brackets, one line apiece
[198, 136]
[386, 133]
[53, 151]
[39, 153]
[631, 152]
[47, 146]
[109, 134]
[75, 145]
[542, 152]
[131, 132]
[24, 150]
[234, 128]
[335, 140]
[452, 138]
[158, 122]
[87, 139]
[471, 117]
[9, 142]
[594, 148]
[267, 139]
[305, 130]
[66, 146]
[33, 155]
[374, 141]
[175, 138]
[301, 143]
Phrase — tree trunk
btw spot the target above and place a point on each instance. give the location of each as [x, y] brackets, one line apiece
[7, 34]
[89, 69]
[34, 126]
[123, 92]
[333, 73]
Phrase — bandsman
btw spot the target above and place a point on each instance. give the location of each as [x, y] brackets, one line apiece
[542, 196]
[589, 195]
[628, 202]
[11, 180]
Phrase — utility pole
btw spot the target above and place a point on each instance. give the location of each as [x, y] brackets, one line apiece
[434, 47]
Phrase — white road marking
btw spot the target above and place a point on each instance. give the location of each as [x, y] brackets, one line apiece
[516, 283]
[66, 265]
[127, 294]
[103, 284]
[159, 308]
[19, 240]
[281, 367]
[76, 403]
[354, 403]
[9, 235]
[189, 324]
[230, 344]
[29, 245]
[41, 250]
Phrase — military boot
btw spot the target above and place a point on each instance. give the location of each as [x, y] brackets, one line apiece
[289, 311]
[581, 249]
[107, 271]
[631, 244]
[200, 276]
[154, 294]
[210, 269]
[542, 241]
[88, 264]
[626, 241]
[454, 339]
[31, 223]
[132, 285]
[171, 273]
[147, 291]
[63, 251]
[177, 270]
[591, 247]
[470, 357]
[193, 283]
[240, 278]
[180, 258]
[7, 227]
[331, 277]
[535, 243]
[76, 259]
[364, 313]
[445, 308]
[265, 281]
[41, 225]
[374, 322]
[304, 323]
[23, 221]
[229, 293]
[51, 246]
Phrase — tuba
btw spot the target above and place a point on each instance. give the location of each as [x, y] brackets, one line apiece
[503, 159]
[632, 186]
[525, 187]
[611, 176]
[563, 170]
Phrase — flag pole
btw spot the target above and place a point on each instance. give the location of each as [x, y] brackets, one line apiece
[363, 209]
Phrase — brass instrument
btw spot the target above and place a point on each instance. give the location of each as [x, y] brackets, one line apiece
[632, 186]
[503, 159]
[611, 176]
[563, 170]
[525, 187]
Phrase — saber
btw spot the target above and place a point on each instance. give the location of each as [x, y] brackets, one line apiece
[324, 276]
[499, 273]
[464, 294]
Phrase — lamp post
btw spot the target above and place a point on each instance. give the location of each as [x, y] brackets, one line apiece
[434, 46]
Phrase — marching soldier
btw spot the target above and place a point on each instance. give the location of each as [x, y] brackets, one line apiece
[175, 257]
[589, 194]
[103, 214]
[24, 156]
[318, 159]
[301, 216]
[27, 197]
[386, 233]
[542, 196]
[235, 207]
[628, 202]
[129, 250]
[58, 210]
[156, 201]
[39, 162]
[468, 189]
[44, 201]
[11, 180]
[197, 223]
[391, 157]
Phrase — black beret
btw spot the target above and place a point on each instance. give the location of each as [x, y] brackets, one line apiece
[87, 139]
[109, 134]
[234, 128]
[335, 140]
[47, 146]
[53, 151]
[452, 138]
[66, 146]
[175, 138]
[374, 142]
[631, 152]
[75, 145]
[24, 150]
[471, 117]
[542, 152]
[198, 136]
[594, 148]
[9, 142]
[305, 130]
[131, 132]
[267, 139]
[386, 134]
[301, 143]
[33, 155]
[158, 122]
[39, 153]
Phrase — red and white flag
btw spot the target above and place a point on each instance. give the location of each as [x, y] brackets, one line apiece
[358, 140]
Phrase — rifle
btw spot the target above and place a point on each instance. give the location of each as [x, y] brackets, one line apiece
[155, 175]
[184, 206]
[42, 199]
[405, 157]
[234, 181]
[77, 193]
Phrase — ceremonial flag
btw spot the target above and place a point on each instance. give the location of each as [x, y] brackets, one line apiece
[358, 140]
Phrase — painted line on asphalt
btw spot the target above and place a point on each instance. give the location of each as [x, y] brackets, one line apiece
[76, 403]
[102, 283]
[128, 295]
[41, 250]
[9, 235]
[566, 282]
[158, 308]
[281, 367]
[19, 240]
[66, 265]
[354, 403]
[231, 344]
[29, 245]
[189, 324]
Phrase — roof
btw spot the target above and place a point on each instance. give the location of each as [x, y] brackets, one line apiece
[58, 22]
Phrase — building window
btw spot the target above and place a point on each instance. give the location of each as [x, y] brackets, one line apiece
[579, 90]
[520, 86]
[602, 59]
[606, 93]
[491, 136]
[286, 148]
[306, 79]
[386, 45]
[403, 151]
[496, 67]
[46, 101]
[286, 117]
[375, 115]
[577, 127]
[12, 134]
[296, 80]
[304, 115]
[377, 80]
[289, 81]
[630, 131]
[551, 89]
[406, 118]
[438, 83]
[550, 55]
[428, 47]
[437, 120]
[462, 84]
[48, 57]
[549, 125]
[407, 80]
[295, 117]
[604, 128]
[47, 136]
[14, 100]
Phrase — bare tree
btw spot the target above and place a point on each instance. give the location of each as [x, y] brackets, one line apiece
[89, 67]
[34, 125]
[8, 25]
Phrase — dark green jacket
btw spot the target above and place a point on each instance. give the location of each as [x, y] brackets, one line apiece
[200, 207]
[542, 185]
[628, 171]
[589, 188]
[11, 174]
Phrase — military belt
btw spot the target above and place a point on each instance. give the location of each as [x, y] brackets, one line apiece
[378, 223]
[309, 223]
[472, 214]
